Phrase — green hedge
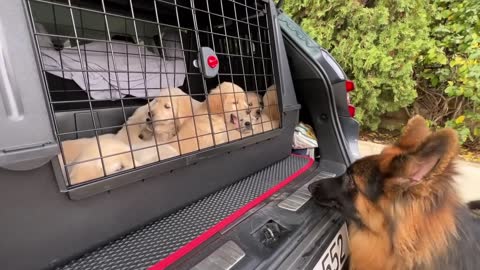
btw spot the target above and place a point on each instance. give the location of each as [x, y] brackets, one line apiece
[397, 50]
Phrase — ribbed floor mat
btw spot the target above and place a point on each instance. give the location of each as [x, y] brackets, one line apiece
[154, 242]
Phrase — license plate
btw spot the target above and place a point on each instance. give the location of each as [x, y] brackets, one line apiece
[336, 254]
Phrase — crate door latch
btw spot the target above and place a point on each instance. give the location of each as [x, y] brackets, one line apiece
[208, 61]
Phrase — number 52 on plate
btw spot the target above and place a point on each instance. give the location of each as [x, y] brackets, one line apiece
[336, 254]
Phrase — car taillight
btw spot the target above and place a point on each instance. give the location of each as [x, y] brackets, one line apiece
[351, 110]
[349, 87]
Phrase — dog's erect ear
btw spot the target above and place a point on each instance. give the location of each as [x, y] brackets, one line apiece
[414, 133]
[430, 159]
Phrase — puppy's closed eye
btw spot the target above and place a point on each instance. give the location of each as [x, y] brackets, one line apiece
[167, 106]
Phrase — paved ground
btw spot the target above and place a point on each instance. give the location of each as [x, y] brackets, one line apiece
[468, 179]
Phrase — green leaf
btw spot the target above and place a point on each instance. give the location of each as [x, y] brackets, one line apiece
[460, 119]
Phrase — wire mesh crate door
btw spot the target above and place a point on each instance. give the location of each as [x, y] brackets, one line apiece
[127, 70]
[235, 30]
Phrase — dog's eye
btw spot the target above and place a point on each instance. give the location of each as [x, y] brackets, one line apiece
[250, 104]
[167, 106]
[235, 102]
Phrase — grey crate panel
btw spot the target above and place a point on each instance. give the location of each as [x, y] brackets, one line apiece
[154, 242]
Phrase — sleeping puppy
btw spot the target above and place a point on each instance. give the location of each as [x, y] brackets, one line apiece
[88, 163]
[224, 117]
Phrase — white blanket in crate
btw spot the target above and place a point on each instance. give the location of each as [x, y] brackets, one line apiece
[126, 77]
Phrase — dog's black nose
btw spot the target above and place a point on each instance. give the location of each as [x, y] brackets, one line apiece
[140, 136]
[258, 112]
[247, 124]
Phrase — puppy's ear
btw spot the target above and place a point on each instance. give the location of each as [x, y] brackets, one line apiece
[430, 159]
[414, 133]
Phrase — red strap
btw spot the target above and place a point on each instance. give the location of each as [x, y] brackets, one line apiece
[170, 259]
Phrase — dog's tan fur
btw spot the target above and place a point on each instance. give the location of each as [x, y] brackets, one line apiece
[271, 106]
[264, 124]
[88, 164]
[403, 210]
[72, 148]
[255, 103]
[168, 113]
[417, 238]
[147, 150]
[212, 124]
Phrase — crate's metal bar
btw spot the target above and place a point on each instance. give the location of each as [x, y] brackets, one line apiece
[215, 50]
[125, 72]
[98, 12]
[137, 40]
[87, 85]
[107, 28]
[173, 107]
[229, 36]
[212, 13]
[104, 41]
[205, 90]
[264, 66]
[185, 67]
[251, 43]
[241, 60]
[229, 57]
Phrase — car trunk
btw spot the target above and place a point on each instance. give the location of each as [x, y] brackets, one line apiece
[226, 197]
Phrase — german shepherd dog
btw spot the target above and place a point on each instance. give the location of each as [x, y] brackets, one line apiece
[402, 208]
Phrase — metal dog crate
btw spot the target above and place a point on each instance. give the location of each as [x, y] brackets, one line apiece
[102, 59]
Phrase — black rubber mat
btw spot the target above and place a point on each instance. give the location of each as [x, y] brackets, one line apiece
[154, 242]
